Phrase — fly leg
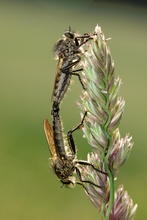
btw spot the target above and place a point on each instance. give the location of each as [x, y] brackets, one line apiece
[77, 182]
[70, 136]
[73, 148]
[79, 126]
[85, 181]
[67, 68]
[82, 38]
[76, 74]
[74, 63]
[86, 163]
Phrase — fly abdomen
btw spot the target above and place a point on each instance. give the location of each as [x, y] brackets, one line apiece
[55, 110]
[61, 85]
[58, 137]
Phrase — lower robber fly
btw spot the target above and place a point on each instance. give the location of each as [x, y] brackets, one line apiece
[68, 52]
[63, 157]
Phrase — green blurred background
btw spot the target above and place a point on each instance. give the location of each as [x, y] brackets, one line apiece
[28, 31]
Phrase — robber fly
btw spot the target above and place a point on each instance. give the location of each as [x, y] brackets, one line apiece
[63, 157]
[67, 51]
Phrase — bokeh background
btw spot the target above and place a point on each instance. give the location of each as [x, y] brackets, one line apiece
[28, 31]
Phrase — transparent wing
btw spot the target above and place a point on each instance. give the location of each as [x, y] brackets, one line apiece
[57, 76]
[50, 138]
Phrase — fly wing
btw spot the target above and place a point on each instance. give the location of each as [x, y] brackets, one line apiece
[50, 138]
[57, 76]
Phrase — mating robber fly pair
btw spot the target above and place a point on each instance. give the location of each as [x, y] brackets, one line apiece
[63, 157]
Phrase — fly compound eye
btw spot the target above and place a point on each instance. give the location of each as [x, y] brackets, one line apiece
[69, 34]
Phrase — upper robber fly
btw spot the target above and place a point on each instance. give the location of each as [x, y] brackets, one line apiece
[67, 51]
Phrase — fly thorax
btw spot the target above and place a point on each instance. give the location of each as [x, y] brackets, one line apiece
[59, 47]
[64, 168]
